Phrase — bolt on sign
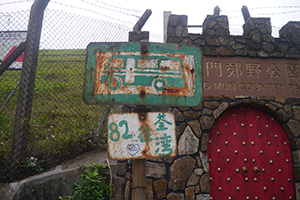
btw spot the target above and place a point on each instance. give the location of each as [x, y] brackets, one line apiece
[251, 76]
[141, 135]
[143, 74]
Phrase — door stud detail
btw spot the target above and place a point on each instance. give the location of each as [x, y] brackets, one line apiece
[278, 152]
[229, 198]
[252, 143]
[271, 161]
[244, 143]
[245, 159]
[226, 124]
[289, 180]
[251, 125]
[255, 179]
[233, 115]
[290, 197]
[259, 134]
[263, 170]
[287, 160]
[218, 133]
[247, 197]
[276, 135]
[279, 170]
[242, 124]
[265, 188]
[238, 188]
[282, 188]
[272, 179]
[219, 169]
[210, 178]
[237, 170]
[228, 179]
[226, 142]
[269, 143]
[246, 179]
[285, 143]
[236, 151]
[274, 198]
[209, 141]
[256, 198]
[234, 134]
[267, 125]
[261, 151]
[257, 117]
[253, 160]
[218, 150]
[272, 118]
[227, 160]
[209, 160]
[220, 188]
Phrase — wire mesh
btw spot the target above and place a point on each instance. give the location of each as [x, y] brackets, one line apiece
[61, 125]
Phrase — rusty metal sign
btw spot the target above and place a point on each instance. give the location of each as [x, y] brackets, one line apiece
[251, 76]
[143, 74]
[141, 135]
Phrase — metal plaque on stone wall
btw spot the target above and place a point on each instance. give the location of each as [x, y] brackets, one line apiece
[251, 76]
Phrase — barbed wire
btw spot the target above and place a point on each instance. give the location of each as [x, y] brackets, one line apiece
[138, 11]
[85, 9]
[14, 2]
[92, 4]
[259, 14]
[258, 8]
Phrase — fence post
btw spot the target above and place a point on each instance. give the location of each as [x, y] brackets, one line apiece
[26, 89]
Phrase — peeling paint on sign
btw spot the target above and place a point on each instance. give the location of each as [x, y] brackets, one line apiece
[141, 135]
[143, 74]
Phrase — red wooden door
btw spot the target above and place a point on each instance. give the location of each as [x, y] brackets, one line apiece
[249, 157]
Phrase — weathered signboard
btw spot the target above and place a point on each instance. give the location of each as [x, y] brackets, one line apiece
[141, 135]
[143, 74]
[251, 76]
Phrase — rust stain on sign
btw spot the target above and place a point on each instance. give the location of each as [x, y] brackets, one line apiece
[141, 135]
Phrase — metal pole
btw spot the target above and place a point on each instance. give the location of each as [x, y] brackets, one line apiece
[26, 89]
[166, 19]
[139, 179]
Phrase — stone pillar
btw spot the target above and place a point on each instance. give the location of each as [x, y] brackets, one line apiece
[258, 32]
[177, 28]
[216, 26]
[290, 32]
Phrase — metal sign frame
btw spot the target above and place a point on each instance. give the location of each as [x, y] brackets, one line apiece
[142, 90]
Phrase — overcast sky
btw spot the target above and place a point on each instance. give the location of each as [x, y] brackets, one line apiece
[280, 11]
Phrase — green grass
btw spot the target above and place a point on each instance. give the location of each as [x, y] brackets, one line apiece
[60, 122]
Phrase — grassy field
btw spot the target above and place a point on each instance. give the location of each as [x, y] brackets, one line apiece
[62, 126]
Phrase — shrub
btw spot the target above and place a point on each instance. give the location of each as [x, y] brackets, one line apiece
[92, 186]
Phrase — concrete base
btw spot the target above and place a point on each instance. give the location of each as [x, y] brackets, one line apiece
[54, 183]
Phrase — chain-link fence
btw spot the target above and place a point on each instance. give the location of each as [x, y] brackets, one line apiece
[61, 125]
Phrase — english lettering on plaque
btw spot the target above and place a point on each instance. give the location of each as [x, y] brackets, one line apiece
[294, 87]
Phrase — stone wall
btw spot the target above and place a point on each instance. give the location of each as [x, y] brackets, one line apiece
[186, 176]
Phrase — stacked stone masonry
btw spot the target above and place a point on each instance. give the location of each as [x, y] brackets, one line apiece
[186, 176]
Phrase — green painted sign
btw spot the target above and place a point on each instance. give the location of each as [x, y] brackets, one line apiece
[143, 74]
